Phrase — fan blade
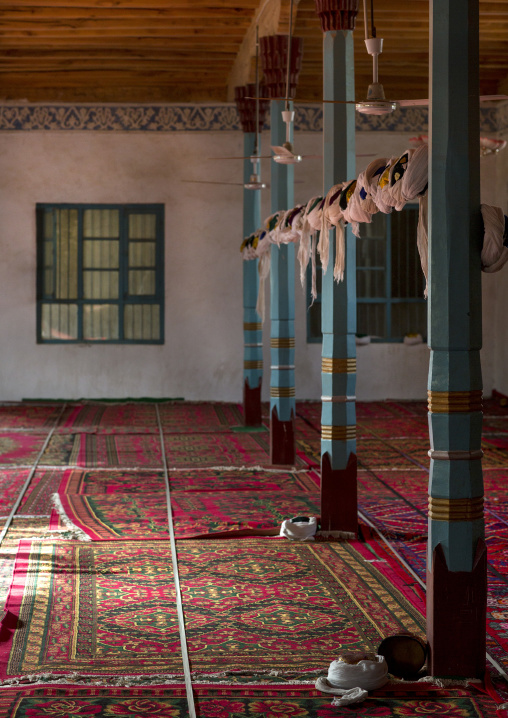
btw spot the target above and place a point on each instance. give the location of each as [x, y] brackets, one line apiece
[265, 157]
[282, 151]
[490, 98]
[232, 184]
[412, 103]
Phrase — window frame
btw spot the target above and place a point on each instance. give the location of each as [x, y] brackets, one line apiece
[158, 298]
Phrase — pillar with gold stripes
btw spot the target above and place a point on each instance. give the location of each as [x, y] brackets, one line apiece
[282, 310]
[275, 52]
[252, 328]
[456, 565]
[338, 416]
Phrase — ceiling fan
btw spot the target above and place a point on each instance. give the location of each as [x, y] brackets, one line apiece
[254, 182]
[376, 102]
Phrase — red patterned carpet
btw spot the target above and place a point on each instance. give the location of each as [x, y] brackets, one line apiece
[264, 616]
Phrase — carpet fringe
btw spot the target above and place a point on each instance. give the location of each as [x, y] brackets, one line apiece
[157, 679]
[336, 534]
[71, 528]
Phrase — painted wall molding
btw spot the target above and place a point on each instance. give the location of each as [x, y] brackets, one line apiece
[202, 118]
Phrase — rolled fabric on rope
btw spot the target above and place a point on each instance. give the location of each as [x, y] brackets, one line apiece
[332, 206]
[495, 238]
[416, 176]
[299, 528]
[393, 193]
[358, 208]
[365, 201]
[249, 247]
[381, 190]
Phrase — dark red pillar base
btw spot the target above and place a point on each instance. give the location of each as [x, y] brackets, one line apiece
[339, 492]
[456, 616]
[251, 405]
[282, 440]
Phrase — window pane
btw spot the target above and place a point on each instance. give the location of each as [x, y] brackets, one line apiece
[142, 226]
[409, 318]
[141, 321]
[101, 254]
[59, 321]
[314, 320]
[100, 322]
[100, 285]
[101, 223]
[141, 282]
[48, 224]
[66, 254]
[376, 228]
[371, 319]
[141, 254]
[407, 275]
[370, 283]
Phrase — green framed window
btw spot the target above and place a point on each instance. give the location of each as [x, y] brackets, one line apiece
[389, 281]
[100, 273]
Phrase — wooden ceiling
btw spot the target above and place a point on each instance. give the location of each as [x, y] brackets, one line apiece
[197, 50]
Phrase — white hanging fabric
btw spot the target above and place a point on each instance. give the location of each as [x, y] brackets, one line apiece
[494, 250]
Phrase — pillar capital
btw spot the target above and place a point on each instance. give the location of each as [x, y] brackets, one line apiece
[273, 52]
[246, 106]
[337, 14]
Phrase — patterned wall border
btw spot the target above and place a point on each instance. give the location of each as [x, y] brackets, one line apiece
[218, 117]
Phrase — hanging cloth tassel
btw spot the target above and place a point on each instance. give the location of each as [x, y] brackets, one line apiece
[422, 239]
[340, 252]
[265, 257]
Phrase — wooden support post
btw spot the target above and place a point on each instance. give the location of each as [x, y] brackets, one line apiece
[282, 310]
[456, 561]
[252, 327]
[338, 418]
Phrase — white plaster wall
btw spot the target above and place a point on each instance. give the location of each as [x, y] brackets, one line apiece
[202, 356]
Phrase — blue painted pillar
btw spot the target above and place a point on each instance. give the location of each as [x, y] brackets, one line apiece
[252, 327]
[456, 566]
[338, 319]
[282, 309]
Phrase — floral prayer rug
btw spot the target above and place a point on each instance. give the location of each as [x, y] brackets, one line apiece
[11, 481]
[396, 428]
[194, 417]
[31, 417]
[251, 605]
[377, 455]
[92, 450]
[37, 498]
[117, 517]
[94, 608]
[231, 701]
[77, 481]
[131, 418]
[19, 448]
[207, 449]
